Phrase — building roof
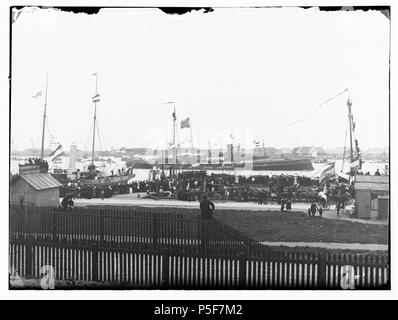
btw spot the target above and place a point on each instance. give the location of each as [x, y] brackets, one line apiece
[40, 181]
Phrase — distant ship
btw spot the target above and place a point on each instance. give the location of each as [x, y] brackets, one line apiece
[301, 164]
[259, 162]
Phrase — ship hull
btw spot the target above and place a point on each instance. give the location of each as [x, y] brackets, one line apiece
[213, 167]
[303, 164]
[283, 164]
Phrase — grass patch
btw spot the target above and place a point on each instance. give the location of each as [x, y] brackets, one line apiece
[298, 227]
[291, 227]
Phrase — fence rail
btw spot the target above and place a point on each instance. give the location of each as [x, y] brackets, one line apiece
[145, 249]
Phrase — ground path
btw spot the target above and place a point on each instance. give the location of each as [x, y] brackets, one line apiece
[134, 200]
[330, 245]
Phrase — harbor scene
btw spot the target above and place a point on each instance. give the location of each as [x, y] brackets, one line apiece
[126, 172]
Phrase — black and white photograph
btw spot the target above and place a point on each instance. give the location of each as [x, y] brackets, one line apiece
[199, 148]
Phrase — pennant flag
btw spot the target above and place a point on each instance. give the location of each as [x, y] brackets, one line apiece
[37, 95]
[96, 98]
[257, 143]
[185, 123]
[327, 173]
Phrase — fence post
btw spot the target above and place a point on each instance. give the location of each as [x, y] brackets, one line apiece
[28, 257]
[242, 269]
[321, 270]
[102, 218]
[165, 268]
[54, 226]
[155, 226]
[198, 231]
[95, 246]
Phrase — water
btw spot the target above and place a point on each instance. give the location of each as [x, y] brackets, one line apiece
[113, 163]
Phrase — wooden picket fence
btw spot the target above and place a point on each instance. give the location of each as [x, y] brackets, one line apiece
[146, 249]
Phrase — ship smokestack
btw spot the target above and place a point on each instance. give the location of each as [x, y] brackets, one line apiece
[72, 158]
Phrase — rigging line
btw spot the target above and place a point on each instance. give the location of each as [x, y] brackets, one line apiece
[87, 141]
[345, 144]
[53, 136]
[318, 107]
[99, 137]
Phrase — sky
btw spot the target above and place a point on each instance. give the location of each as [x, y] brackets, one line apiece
[239, 74]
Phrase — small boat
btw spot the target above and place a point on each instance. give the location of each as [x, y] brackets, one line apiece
[109, 180]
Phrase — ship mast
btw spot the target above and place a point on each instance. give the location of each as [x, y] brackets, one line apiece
[349, 104]
[44, 121]
[95, 100]
[174, 133]
[353, 160]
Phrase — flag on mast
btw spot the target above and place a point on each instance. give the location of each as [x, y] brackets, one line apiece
[185, 123]
[37, 94]
[256, 143]
[96, 98]
[55, 153]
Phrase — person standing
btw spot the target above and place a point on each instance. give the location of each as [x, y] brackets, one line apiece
[206, 210]
[289, 205]
[282, 205]
[313, 208]
[338, 207]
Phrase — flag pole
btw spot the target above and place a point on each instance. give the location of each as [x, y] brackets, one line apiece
[44, 121]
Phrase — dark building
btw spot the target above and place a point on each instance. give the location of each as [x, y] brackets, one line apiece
[372, 196]
[34, 187]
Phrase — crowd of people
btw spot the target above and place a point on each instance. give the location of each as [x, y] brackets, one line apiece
[191, 185]
[43, 164]
[90, 191]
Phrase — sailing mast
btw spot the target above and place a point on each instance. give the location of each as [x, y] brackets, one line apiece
[353, 160]
[95, 100]
[349, 104]
[44, 121]
[174, 133]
